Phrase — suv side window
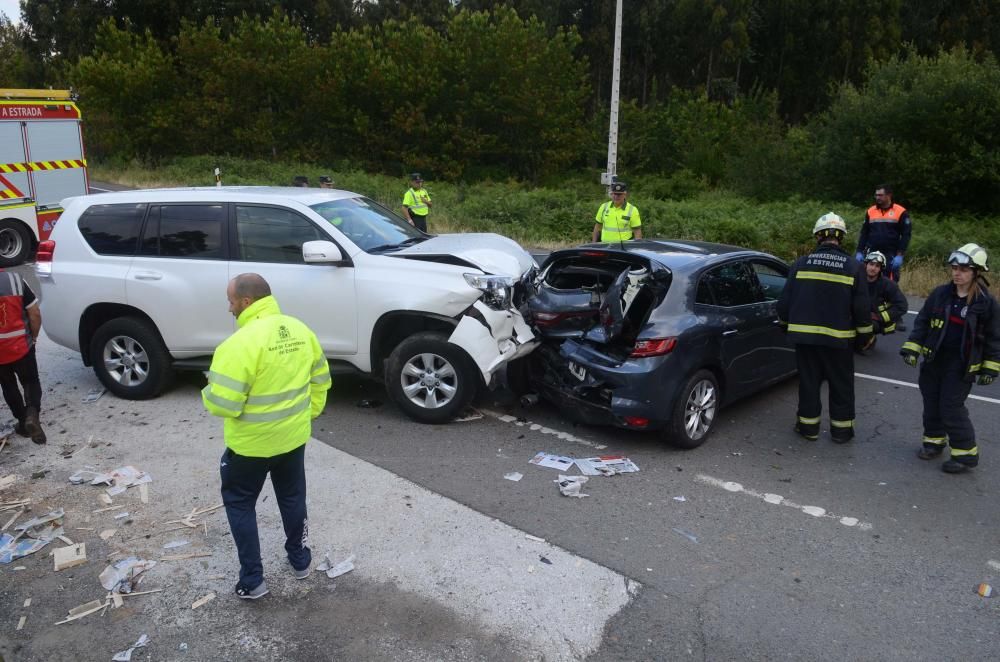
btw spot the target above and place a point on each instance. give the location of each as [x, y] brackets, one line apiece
[272, 234]
[772, 279]
[112, 229]
[192, 231]
[731, 284]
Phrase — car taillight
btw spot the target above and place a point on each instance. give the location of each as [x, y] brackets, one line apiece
[653, 347]
[43, 257]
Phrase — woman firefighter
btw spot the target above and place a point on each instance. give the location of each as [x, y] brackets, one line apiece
[958, 334]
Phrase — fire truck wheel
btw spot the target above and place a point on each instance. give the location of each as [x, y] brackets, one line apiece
[15, 243]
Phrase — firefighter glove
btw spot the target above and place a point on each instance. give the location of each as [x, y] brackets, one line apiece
[985, 380]
[910, 359]
[897, 263]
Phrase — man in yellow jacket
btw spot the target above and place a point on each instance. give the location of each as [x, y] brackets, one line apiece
[618, 219]
[268, 381]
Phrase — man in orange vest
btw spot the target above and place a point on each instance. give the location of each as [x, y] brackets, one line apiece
[20, 323]
[886, 229]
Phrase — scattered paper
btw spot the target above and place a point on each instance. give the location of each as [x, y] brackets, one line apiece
[121, 515]
[11, 549]
[121, 577]
[333, 570]
[680, 498]
[570, 485]
[514, 476]
[126, 655]
[84, 476]
[176, 543]
[561, 462]
[45, 527]
[116, 490]
[93, 395]
[105, 499]
[606, 465]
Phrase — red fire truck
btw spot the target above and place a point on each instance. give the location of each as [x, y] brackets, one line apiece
[41, 162]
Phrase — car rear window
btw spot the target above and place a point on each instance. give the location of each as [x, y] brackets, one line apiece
[112, 229]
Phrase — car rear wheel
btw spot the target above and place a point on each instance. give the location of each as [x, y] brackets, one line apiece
[430, 379]
[15, 243]
[695, 411]
[130, 359]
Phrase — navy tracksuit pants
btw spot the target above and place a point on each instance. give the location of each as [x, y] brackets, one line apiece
[242, 480]
[946, 419]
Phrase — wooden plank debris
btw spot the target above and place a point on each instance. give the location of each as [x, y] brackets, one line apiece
[116, 597]
[70, 557]
[107, 533]
[144, 492]
[7, 481]
[203, 600]
[104, 510]
[27, 603]
[12, 519]
[183, 557]
[66, 540]
[84, 610]
[20, 623]
[105, 499]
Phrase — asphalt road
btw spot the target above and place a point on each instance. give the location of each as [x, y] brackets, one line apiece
[870, 554]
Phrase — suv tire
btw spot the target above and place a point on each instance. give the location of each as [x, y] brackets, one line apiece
[695, 411]
[130, 359]
[429, 378]
[15, 243]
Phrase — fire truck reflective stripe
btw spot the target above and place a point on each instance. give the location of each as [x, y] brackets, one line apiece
[43, 165]
[19, 204]
[8, 190]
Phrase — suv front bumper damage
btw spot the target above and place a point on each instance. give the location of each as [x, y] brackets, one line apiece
[493, 337]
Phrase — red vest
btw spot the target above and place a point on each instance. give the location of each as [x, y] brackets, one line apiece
[15, 334]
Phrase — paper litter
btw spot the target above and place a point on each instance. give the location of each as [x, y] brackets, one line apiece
[126, 655]
[514, 476]
[606, 465]
[570, 485]
[123, 576]
[335, 570]
[176, 543]
[550, 461]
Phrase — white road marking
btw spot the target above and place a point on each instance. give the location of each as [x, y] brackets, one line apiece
[536, 427]
[779, 500]
[912, 385]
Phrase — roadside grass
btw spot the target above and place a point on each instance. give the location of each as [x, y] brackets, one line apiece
[561, 214]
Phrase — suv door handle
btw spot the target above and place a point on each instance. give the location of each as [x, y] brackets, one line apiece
[148, 275]
[730, 332]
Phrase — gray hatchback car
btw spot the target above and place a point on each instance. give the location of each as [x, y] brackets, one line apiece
[655, 335]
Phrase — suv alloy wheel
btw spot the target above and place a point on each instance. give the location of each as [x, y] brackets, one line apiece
[129, 358]
[430, 379]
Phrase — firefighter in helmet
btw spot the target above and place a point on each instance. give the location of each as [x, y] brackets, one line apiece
[887, 301]
[958, 333]
[825, 307]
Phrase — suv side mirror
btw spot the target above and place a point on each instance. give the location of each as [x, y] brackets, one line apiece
[322, 252]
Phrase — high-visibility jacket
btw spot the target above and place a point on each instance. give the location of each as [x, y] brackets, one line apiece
[15, 331]
[617, 222]
[825, 300]
[980, 327]
[885, 230]
[414, 199]
[888, 304]
[268, 380]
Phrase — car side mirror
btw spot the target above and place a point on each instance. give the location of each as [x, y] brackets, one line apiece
[321, 252]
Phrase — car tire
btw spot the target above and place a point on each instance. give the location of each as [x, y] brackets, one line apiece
[429, 378]
[15, 243]
[695, 411]
[130, 359]
[519, 373]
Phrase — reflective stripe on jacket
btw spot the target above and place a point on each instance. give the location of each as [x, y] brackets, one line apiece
[617, 222]
[825, 300]
[15, 332]
[414, 199]
[888, 303]
[886, 230]
[268, 380]
[980, 332]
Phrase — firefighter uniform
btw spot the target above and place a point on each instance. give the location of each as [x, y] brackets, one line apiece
[17, 356]
[268, 381]
[825, 307]
[887, 231]
[888, 305]
[959, 340]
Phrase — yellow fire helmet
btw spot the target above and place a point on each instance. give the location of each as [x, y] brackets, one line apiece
[972, 255]
[830, 224]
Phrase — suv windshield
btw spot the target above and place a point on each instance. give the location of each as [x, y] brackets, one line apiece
[368, 224]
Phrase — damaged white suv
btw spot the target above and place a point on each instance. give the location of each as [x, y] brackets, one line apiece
[136, 282]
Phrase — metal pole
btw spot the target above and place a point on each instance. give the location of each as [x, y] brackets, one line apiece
[612, 171]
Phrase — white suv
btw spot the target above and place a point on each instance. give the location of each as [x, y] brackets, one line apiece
[136, 282]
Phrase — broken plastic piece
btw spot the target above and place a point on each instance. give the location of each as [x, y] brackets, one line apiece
[513, 475]
[335, 570]
[93, 395]
[985, 590]
[570, 485]
[126, 655]
[544, 560]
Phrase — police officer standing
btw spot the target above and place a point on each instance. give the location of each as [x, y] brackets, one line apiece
[417, 203]
[617, 219]
[958, 333]
[886, 229]
[20, 323]
[887, 302]
[825, 307]
[268, 381]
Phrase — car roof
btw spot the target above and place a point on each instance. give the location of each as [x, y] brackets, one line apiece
[676, 254]
[262, 194]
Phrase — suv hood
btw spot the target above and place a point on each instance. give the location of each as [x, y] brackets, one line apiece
[491, 253]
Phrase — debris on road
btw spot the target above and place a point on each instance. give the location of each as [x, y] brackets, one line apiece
[125, 575]
[107, 533]
[126, 655]
[369, 404]
[570, 485]
[560, 462]
[680, 498]
[513, 475]
[184, 557]
[20, 622]
[69, 557]
[335, 570]
[985, 590]
[544, 560]
[687, 534]
[534, 538]
[203, 600]
[606, 465]
[87, 609]
[121, 515]
[176, 543]
[469, 415]
[8, 480]
[93, 395]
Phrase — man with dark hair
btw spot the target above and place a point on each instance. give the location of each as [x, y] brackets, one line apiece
[20, 323]
[887, 229]
[268, 381]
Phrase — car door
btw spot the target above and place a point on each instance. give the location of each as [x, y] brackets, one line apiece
[179, 275]
[771, 278]
[268, 241]
[728, 295]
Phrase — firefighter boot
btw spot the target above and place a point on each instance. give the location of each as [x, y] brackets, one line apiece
[932, 448]
[841, 432]
[807, 428]
[956, 467]
[20, 429]
[32, 425]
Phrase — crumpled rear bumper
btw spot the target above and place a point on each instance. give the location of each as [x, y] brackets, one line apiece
[493, 337]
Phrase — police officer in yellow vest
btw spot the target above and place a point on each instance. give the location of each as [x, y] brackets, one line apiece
[417, 203]
[268, 381]
[617, 220]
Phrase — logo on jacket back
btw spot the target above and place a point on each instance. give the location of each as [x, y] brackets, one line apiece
[283, 333]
